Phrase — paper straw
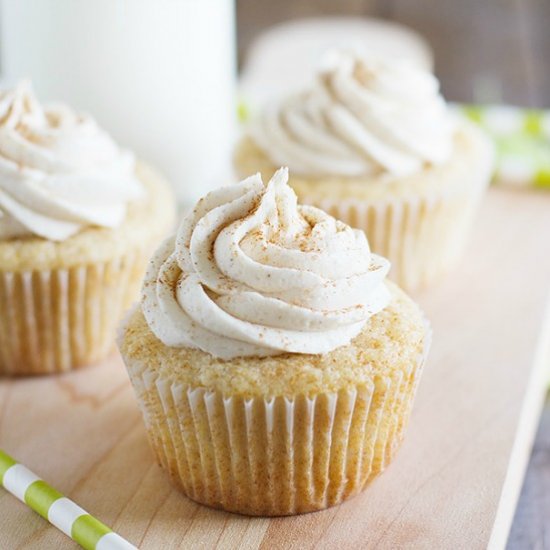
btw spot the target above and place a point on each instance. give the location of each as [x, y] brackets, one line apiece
[67, 516]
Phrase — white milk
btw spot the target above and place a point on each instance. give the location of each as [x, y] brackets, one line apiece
[158, 74]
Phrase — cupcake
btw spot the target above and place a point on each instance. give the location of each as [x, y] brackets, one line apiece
[373, 143]
[79, 219]
[274, 366]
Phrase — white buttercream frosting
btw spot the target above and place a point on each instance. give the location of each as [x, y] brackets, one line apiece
[251, 273]
[362, 116]
[59, 172]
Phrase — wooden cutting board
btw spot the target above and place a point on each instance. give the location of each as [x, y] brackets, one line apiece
[454, 484]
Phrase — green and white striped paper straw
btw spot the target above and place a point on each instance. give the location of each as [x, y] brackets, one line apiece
[67, 516]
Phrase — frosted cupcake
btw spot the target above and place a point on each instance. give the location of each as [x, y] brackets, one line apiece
[373, 143]
[78, 220]
[274, 366]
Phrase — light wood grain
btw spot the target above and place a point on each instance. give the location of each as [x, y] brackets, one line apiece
[477, 406]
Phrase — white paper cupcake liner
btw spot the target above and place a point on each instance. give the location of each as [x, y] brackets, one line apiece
[55, 320]
[279, 455]
[423, 237]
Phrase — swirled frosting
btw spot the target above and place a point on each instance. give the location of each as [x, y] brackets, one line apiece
[251, 273]
[59, 172]
[361, 117]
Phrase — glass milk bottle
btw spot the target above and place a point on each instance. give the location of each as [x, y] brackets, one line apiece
[158, 74]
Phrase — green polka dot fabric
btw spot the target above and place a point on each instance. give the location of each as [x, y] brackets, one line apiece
[67, 516]
[522, 140]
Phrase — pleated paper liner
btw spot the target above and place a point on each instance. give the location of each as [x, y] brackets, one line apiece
[423, 237]
[54, 320]
[280, 455]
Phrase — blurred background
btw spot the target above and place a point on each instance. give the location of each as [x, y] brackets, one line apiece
[485, 50]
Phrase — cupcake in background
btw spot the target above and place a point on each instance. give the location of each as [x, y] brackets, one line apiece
[274, 366]
[78, 220]
[373, 142]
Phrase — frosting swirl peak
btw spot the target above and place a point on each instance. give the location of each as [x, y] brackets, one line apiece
[251, 273]
[59, 172]
[362, 116]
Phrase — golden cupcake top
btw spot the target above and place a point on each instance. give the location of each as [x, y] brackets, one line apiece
[59, 171]
[399, 326]
[361, 116]
[252, 273]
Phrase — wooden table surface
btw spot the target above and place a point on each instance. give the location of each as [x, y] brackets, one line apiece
[486, 51]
